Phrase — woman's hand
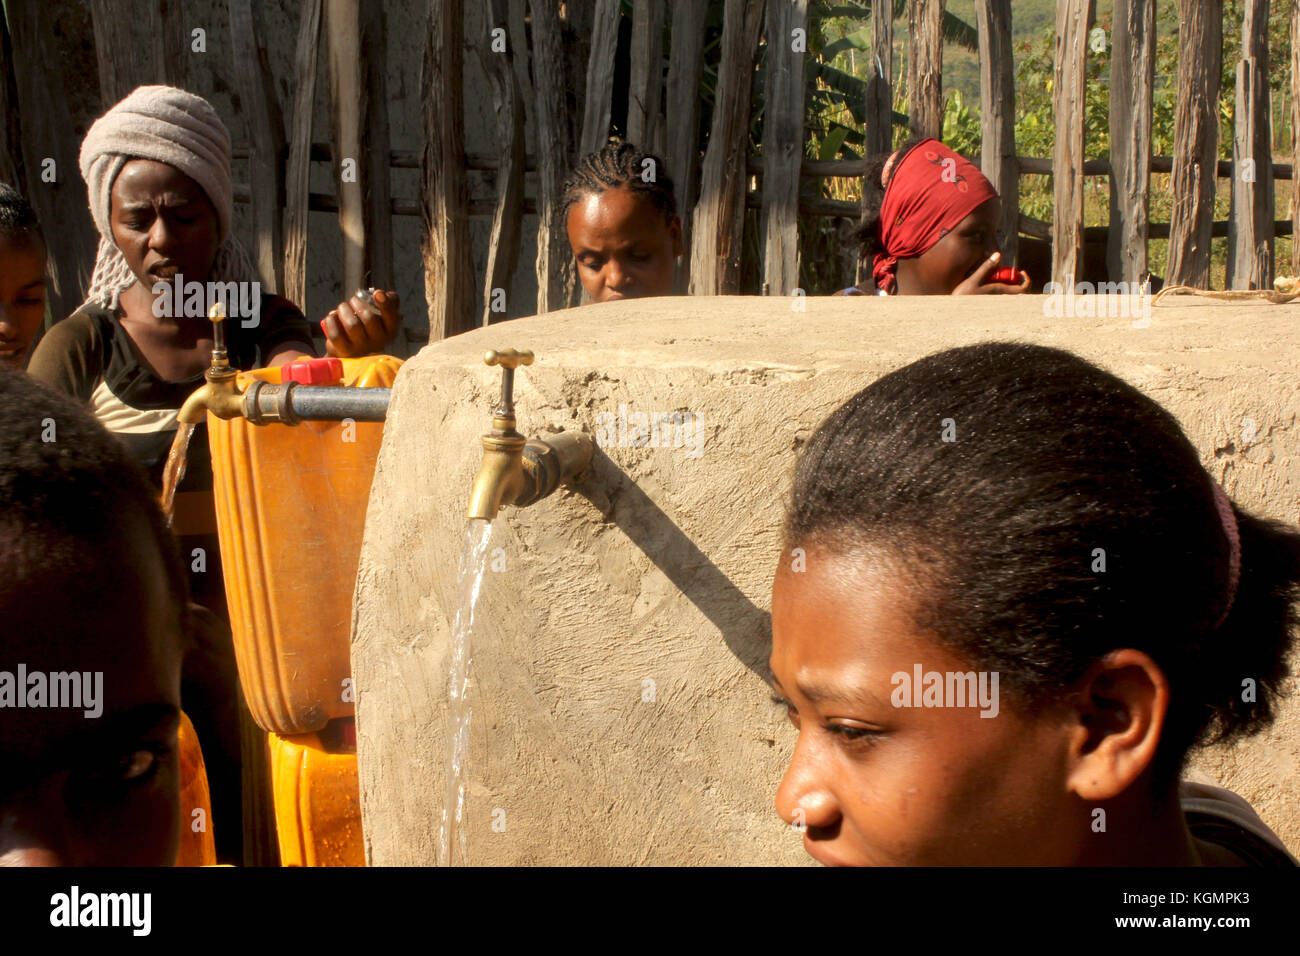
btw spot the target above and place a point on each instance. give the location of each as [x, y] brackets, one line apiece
[358, 327]
[975, 284]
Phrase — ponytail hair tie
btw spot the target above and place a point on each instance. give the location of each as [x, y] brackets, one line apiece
[1229, 521]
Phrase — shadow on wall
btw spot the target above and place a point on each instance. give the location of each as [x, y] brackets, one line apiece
[745, 627]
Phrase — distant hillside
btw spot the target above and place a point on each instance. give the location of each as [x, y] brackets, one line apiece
[1029, 18]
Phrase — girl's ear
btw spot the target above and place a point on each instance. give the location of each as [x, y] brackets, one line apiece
[889, 168]
[1118, 711]
[675, 230]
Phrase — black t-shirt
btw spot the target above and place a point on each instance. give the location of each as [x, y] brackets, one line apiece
[90, 356]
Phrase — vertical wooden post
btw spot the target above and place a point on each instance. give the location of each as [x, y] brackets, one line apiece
[998, 116]
[517, 13]
[1250, 223]
[925, 67]
[1070, 79]
[120, 63]
[50, 146]
[880, 87]
[681, 134]
[298, 167]
[646, 86]
[1196, 141]
[719, 215]
[378, 221]
[347, 70]
[600, 77]
[444, 194]
[557, 286]
[266, 142]
[1132, 79]
[138, 43]
[1295, 137]
[11, 138]
[787, 38]
[879, 133]
[171, 43]
[507, 220]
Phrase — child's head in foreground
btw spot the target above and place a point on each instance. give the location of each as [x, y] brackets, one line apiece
[92, 601]
[929, 224]
[22, 278]
[1013, 510]
[622, 222]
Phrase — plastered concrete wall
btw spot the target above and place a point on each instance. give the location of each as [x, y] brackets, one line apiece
[660, 568]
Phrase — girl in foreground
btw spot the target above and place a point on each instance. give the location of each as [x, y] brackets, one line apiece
[929, 226]
[622, 222]
[1013, 510]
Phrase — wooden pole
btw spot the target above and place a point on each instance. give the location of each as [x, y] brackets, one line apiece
[507, 221]
[925, 67]
[998, 116]
[719, 215]
[171, 44]
[681, 136]
[298, 171]
[379, 268]
[517, 13]
[1250, 238]
[448, 280]
[11, 137]
[1196, 141]
[600, 77]
[346, 69]
[1295, 135]
[557, 286]
[787, 32]
[121, 66]
[646, 85]
[880, 89]
[1070, 79]
[1132, 80]
[50, 147]
[265, 125]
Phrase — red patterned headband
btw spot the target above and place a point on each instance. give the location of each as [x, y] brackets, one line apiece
[931, 191]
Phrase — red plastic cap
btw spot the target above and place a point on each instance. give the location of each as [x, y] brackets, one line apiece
[1008, 275]
[321, 371]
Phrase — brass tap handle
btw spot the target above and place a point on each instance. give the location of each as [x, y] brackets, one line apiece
[509, 360]
[217, 316]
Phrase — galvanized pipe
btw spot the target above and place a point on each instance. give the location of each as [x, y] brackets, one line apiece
[293, 403]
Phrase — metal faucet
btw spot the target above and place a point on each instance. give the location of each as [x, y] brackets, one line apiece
[263, 403]
[516, 471]
[220, 395]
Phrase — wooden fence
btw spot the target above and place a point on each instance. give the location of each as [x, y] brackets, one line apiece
[541, 57]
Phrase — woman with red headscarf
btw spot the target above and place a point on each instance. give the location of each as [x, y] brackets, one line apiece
[929, 226]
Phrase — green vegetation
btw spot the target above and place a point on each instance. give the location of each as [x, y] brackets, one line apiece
[841, 36]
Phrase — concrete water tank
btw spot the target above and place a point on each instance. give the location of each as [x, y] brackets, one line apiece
[620, 715]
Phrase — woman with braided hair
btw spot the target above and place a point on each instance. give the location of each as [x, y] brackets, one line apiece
[621, 216]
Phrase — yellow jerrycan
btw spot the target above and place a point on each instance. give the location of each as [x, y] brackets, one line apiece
[291, 505]
[318, 797]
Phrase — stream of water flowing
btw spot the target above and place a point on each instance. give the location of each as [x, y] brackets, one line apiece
[174, 472]
[452, 841]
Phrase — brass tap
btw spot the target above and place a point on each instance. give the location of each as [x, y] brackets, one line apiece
[219, 394]
[516, 471]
